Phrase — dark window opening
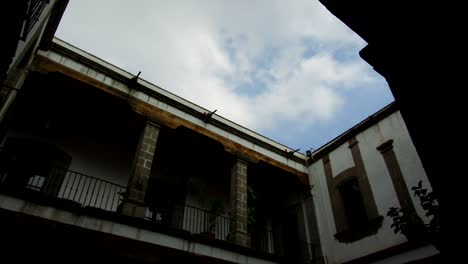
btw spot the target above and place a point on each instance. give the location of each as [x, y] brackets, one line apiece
[353, 204]
[30, 164]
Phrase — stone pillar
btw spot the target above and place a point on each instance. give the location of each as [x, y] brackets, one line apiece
[238, 197]
[133, 204]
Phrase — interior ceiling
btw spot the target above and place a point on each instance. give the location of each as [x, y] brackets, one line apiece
[68, 101]
[182, 150]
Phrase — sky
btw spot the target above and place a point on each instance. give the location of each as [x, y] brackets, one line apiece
[288, 70]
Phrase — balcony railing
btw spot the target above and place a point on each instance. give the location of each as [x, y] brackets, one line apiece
[66, 184]
[192, 219]
[199, 221]
[267, 241]
[88, 191]
[310, 253]
[262, 239]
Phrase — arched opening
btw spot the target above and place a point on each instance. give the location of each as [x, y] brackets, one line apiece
[353, 204]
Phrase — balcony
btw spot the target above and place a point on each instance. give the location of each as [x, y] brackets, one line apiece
[192, 219]
[97, 146]
[74, 191]
[65, 185]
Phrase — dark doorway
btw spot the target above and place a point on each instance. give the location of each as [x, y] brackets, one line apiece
[289, 235]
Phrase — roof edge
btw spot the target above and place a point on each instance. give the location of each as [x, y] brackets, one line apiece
[353, 131]
[182, 104]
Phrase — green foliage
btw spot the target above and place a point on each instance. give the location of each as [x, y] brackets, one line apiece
[407, 222]
[251, 209]
[216, 205]
[200, 189]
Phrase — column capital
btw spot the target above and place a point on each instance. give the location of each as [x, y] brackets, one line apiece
[242, 158]
[386, 146]
[242, 161]
[352, 142]
[154, 123]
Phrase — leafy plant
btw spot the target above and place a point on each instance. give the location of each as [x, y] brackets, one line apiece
[251, 209]
[216, 206]
[199, 188]
[407, 222]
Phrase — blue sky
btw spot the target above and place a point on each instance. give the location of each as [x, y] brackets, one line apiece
[288, 70]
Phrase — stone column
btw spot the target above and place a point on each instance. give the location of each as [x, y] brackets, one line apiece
[133, 204]
[238, 197]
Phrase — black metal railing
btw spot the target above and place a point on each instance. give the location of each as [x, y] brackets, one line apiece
[90, 191]
[262, 239]
[197, 220]
[192, 219]
[298, 251]
[310, 253]
[66, 184]
[35, 9]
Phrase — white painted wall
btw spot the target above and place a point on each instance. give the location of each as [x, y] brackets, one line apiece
[325, 220]
[341, 159]
[93, 157]
[410, 164]
[392, 127]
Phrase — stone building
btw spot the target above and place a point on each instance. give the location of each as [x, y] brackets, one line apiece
[356, 178]
[97, 164]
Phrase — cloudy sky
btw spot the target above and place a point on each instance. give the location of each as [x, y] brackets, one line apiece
[286, 69]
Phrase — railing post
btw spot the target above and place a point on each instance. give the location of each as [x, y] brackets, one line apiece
[238, 198]
[133, 204]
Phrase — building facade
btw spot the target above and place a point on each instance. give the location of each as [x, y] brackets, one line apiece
[356, 179]
[88, 145]
[28, 25]
[99, 164]
[399, 35]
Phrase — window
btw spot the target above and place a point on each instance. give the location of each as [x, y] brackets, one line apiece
[355, 211]
[35, 182]
[28, 163]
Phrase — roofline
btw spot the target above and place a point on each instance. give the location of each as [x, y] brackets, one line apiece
[182, 104]
[360, 127]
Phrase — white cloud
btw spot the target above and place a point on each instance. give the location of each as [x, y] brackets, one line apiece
[205, 50]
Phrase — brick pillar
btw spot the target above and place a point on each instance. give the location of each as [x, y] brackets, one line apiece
[133, 204]
[238, 230]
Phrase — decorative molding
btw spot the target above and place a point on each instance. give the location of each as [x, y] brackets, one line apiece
[393, 167]
[386, 146]
[345, 233]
